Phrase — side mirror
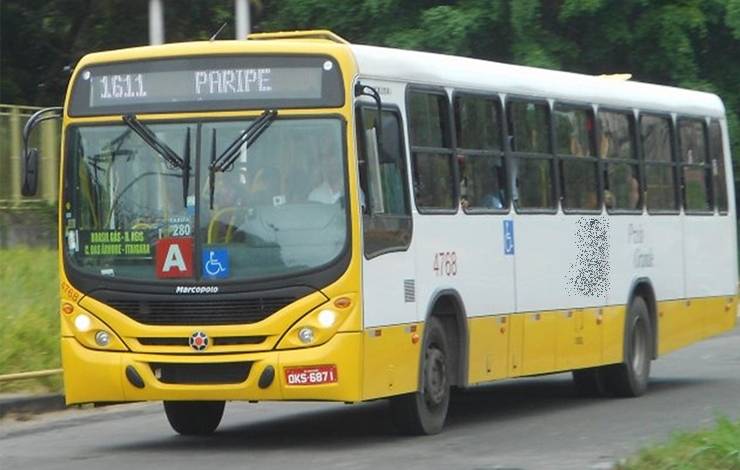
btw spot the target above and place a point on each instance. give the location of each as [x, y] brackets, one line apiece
[31, 155]
[30, 172]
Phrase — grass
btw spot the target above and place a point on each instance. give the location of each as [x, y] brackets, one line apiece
[29, 337]
[717, 449]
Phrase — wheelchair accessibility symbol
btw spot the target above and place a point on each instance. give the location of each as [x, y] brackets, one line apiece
[508, 237]
[215, 263]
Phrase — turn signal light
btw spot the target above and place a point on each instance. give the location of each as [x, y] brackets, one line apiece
[343, 302]
[67, 308]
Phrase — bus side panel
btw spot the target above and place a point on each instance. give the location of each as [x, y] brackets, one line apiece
[391, 360]
[516, 345]
[718, 314]
[674, 325]
[489, 346]
[579, 339]
[540, 341]
[612, 319]
[710, 274]
[555, 255]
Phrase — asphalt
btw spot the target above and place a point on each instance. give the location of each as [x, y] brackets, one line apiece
[534, 423]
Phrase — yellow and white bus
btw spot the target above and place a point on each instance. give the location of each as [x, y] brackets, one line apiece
[238, 222]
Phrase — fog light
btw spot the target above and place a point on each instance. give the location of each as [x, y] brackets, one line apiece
[327, 318]
[82, 322]
[102, 338]
[305, 334]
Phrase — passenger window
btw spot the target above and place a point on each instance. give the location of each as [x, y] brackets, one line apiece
[578, 162]
[478, 121]
[717, 158]
[529, 127]
[480, 154]
[528, 124]
[434, 187]
[696, 174]
[384, 196]
[655, 133]
[621, 167]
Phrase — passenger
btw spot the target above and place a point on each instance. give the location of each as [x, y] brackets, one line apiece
[265, 188]
[464, 182]
[331, 187]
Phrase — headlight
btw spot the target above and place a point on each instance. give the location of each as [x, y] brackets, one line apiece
[91, 332]
[102, 338]
[327, 318]
[320, 325]
[82, 323]
[305, 334]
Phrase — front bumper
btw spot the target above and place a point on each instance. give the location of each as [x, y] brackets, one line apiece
[93, 376]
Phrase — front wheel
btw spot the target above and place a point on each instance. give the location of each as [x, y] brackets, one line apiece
[630, 378]
[425, 411]
[194, 418]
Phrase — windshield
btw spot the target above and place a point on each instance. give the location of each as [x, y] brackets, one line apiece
[278, 210]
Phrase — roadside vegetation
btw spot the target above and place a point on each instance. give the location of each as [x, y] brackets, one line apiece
[717, 449]
[29, 337]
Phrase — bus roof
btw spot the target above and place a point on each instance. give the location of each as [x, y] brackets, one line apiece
[446, 70]
[474, 74]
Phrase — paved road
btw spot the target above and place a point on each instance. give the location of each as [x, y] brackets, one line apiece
[535, 423]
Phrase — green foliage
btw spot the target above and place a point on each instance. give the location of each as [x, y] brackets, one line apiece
[690, 43]
[29, 314]
[718, 449]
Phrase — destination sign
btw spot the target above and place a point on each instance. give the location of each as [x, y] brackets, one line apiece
[214, 83]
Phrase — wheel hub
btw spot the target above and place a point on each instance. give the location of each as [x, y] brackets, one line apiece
[435, 383]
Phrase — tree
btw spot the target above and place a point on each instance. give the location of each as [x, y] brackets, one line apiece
[691, 43]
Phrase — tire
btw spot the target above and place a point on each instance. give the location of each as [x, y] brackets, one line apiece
[194, 418]
[630, 378]
[589, 382]
[424, 412]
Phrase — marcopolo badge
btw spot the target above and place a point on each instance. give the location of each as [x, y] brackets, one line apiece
[198, 341]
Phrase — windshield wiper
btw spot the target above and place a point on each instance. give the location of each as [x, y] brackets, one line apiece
[169, 155]
[148, 136]
[246, 138]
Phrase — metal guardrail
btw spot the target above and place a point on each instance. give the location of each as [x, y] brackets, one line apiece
[46, 138]
[29, 375]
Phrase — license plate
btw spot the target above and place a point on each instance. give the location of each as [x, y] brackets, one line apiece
[311, 375]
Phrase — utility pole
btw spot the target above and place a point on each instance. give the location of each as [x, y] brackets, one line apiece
[156, 22]
[241, 12]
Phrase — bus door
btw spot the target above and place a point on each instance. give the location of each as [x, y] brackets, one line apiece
[388, 285]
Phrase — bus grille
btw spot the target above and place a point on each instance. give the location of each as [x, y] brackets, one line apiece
[200, 312]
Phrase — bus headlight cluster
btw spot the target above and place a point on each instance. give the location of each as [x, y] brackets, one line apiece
[318, 326]
[91, 332]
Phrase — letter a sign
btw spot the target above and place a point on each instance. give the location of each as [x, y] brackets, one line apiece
[174, 257]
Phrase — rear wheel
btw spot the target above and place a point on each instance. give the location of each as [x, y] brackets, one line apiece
[194, 418]
[630, 378]
[424, 412]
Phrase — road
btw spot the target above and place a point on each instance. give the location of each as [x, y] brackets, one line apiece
[535, 423]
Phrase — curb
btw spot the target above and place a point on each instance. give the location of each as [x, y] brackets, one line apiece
[31, 404]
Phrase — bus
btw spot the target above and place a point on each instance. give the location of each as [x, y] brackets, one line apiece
[294, 217]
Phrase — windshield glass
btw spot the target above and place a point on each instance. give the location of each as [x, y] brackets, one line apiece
[279, 209]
